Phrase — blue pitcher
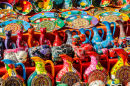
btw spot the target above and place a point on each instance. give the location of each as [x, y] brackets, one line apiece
[82, 31]
[109, 38]
[96, 36]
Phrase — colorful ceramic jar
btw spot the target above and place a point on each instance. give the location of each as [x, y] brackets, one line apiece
[40, 77]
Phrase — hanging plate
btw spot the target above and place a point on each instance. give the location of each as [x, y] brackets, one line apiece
[13, 25]
[49, 23]
[81, 21]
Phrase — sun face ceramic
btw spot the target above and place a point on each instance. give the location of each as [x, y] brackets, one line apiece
[22, 7]
[49, 23]
[111, 16]
[81, 21]
[13, 25]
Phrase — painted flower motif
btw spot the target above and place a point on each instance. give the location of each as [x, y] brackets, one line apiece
[105, 2]
[24, 2]
[69, 13]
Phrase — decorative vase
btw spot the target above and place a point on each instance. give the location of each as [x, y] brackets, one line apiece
[40, 77]
[11, 77]
[68, 75]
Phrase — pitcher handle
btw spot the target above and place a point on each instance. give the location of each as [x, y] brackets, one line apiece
[74, 31]
[108, 63]
[24, 70]
[63, 34]
[102, 32]
[52, 67]
[75, 59]
[114, 27]
[89, 33]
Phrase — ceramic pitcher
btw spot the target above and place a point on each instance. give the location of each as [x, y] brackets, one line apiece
[58, 41]
[122, 32]
[40, 77]
[11, 77]
[69, 33]
[96, 71]
[121, 69]
[109, 37]
[82, 31]
[96, 36]
[68, 74]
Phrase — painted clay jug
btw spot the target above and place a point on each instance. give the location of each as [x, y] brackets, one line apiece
[58, 41]
[119, 3]
[20, 42]
[43, 40]
[2, 47]
[109, 37]
[31, 41]
[122, 32]
[8, 43]
[96, 36]
[101, 3]
[42, 51]
[68, 74]
[96, 71]
[16, 55]
[40, 77]
[11, 77]
[62, 5]
[121, 69]
[82, 31]
[69, 33]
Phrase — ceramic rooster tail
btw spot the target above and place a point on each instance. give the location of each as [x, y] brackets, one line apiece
[31, 41]
[96, 71]
[43, 40]
[12, 74]
[122, 32]
[58, 41]
[82, 31]
[40, 75]
[68, 75]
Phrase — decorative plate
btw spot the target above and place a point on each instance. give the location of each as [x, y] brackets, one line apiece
[5, 5]
[70, 78]
[120, 3]
[125, 10]
[13, 25]
[49, 23]
[123, 74]
[101, 3]
[96, 10]
[40, 6]
[111, 16]
[22, 7]
[81, 21]
[41, 80]
[6, 12]
[43, 15]
[82, 4]
[97, 75]
[13, 81]
[2, 82]
[67, 14]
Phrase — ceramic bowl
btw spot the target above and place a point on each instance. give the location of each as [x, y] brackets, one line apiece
[101, 3]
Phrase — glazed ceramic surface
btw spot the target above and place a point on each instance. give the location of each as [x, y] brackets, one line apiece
[101, 3]
[125, 10]
[5, 5]
[2, 47]
[97, 10]
[13, 25]
[43, 15]
[128, 41]
[22, 7]
[82, 4]
[81, 21]
[42, 5]
[68, 74]
[80, 84]
[2, 82]
[50, 24]
[16, 55]
[11, 77]
[97, 83]
[62, 5]
[40, 77]
[67, 14]
[111, 16]
[114, 82]
[119, 3]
